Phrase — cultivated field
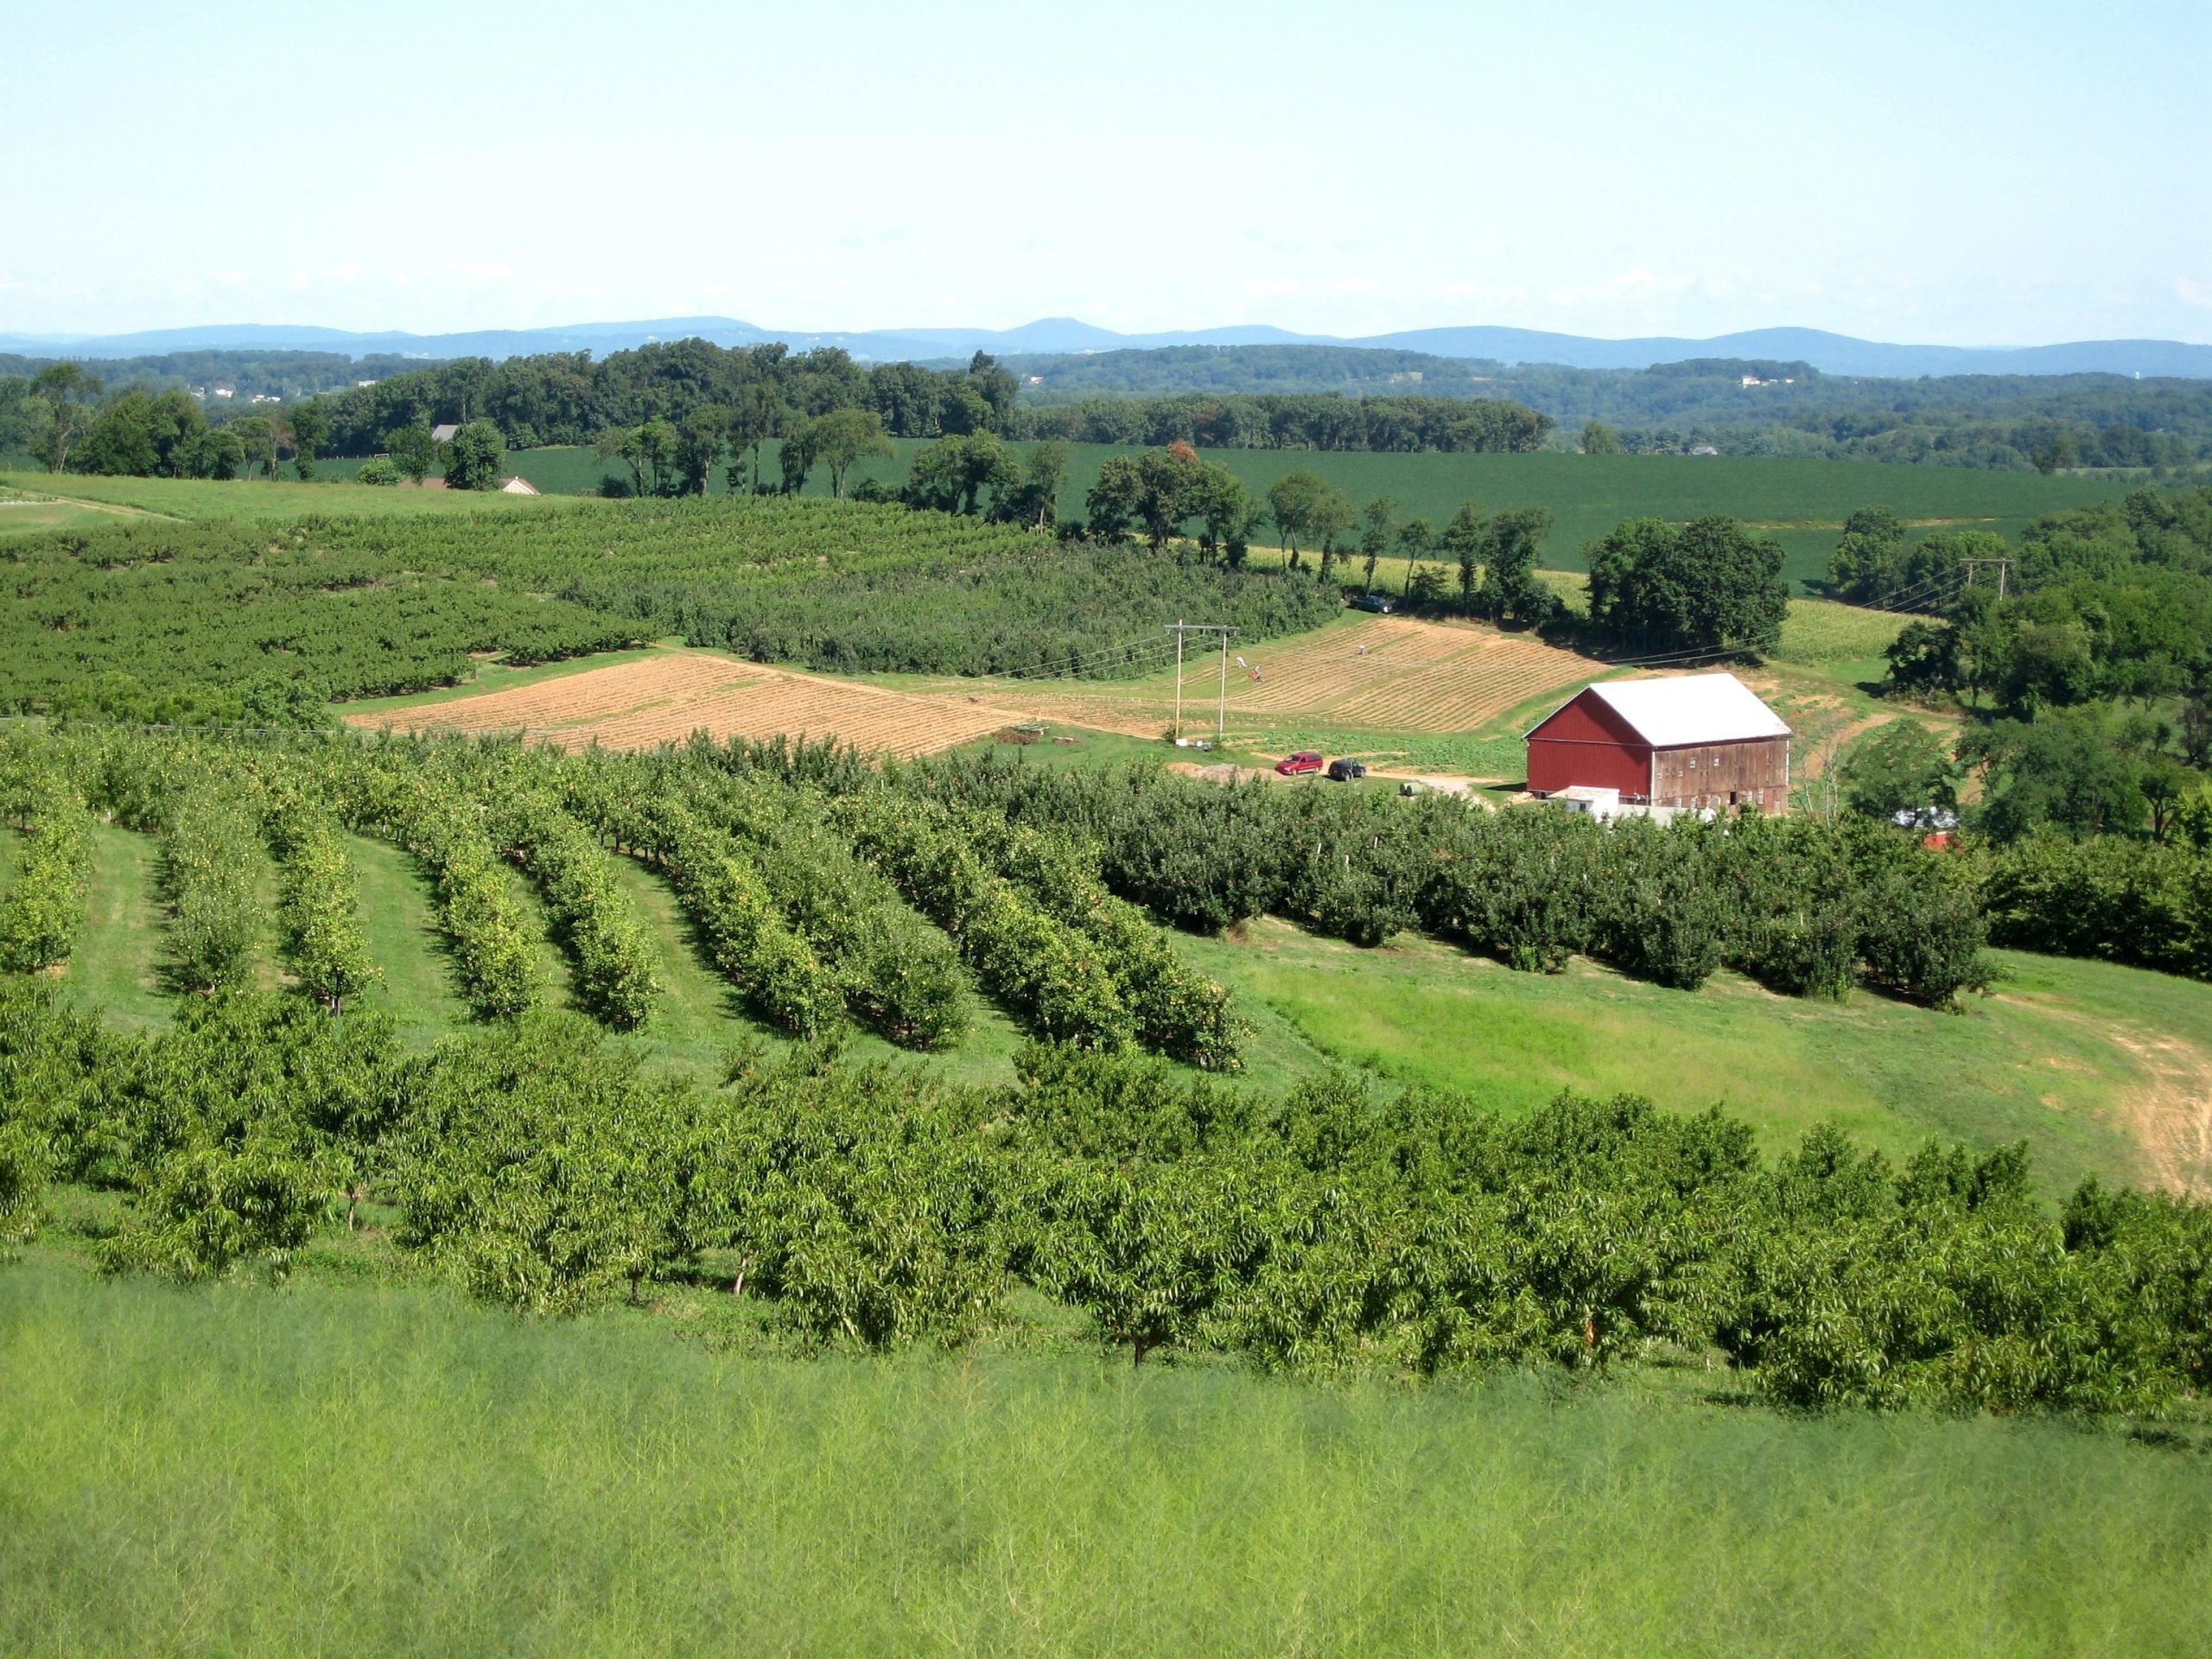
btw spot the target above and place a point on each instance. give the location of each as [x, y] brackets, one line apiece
[1803, 503]
[1380, 673]
[666, 697]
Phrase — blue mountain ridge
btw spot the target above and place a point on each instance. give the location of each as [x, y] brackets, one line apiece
[1831, 354]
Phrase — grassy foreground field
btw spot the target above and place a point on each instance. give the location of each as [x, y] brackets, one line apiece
[385, 1470]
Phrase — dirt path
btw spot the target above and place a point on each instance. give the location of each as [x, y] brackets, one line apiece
[2171, 1111]
[2168, 1109]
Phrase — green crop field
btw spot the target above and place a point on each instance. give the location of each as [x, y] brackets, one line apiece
[381, 1469]
[1802, 503]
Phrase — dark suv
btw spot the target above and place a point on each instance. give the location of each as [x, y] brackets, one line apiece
[1375, 603]
[1343, 772]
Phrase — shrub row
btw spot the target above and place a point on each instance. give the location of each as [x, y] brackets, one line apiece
[1051, 973]
[44, 907]
[901, 977]
[1331, 1230]
[722, 892]
[2106, 897]
[208, 840]
[1176, 1010]
[401, 798]
[318, 901]
[1808, 907]
[594, 920]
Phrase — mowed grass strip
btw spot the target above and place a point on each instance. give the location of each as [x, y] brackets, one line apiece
[2005, 1069]
[385, 1470]
[117, 968]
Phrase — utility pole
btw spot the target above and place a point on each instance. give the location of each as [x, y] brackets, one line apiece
[2004, 566]
[1221, 708]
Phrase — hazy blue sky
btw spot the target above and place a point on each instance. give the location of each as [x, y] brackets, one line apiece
[1964, 173]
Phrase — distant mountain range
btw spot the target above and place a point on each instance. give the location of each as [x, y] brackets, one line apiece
[1830, 353]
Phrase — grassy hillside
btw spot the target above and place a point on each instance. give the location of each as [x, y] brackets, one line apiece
[2054, 1058]
[229, 1470]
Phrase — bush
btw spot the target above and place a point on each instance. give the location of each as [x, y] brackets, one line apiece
[378, 469]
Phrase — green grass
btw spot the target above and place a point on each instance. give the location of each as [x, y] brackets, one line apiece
[264, 499]
[417, 989]
[493, 676]
[2034, 1063]
[117, 966]
[384, 1470]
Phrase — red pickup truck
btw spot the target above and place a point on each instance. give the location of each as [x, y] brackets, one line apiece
[1304, 760]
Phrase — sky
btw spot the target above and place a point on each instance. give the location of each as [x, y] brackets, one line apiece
[1967, 175]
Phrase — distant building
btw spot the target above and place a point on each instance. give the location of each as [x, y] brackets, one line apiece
[518, 486]
[1695, 740]
[1703, 449]
[223, 391]
[443, 434]
[1753, 380]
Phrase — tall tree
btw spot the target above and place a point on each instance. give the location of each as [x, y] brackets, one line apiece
[70, 393]
[411, 451]
[1598, 439]
[257, 443]
[1378, 524]
[1416, 540]
[845, 435]
[1511, 590]
[699, 446]
[1467, 538]
[310, 425]
[476, 457]
[757, 416]
[1296, 502]
[796, 455]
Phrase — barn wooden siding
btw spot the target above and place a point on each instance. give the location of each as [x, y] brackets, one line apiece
[1750, 772]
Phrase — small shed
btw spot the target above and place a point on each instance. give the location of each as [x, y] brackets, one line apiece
[1693, 740]
[518, 486]
[443, 434]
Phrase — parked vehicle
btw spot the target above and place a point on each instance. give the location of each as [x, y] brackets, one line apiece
[1377, 603]
[1342, 771]
[1303, 760]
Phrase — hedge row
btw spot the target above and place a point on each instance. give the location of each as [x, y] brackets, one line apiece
[1808, 907]
[207, 840]
[1333, 1230]
[318, 901]
[594, 920]
[1051, 972]
[1177, 1010]
[2107, 897]
[901, 977]
[399, 797]
[44, 908]
[723, 893]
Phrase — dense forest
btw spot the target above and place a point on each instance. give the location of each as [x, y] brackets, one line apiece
[1314, 397]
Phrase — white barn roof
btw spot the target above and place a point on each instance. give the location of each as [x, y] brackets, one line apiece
[1689, 708]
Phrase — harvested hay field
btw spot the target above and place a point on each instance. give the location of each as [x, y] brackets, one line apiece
[666, 697]
[1383, 673]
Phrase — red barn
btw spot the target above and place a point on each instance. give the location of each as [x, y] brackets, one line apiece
[1693, 740]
